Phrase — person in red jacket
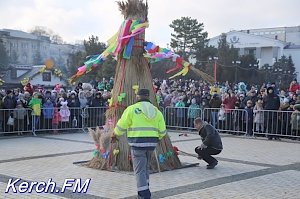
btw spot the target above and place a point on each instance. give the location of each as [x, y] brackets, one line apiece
[229, 103]
[294, 86]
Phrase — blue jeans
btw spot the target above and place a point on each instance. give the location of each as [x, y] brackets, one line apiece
[214, 118]
[35, 123]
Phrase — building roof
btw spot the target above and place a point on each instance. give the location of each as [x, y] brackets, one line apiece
[31, 72]
[24, 35]
[273, 28]
[292, 47]
[250, 35]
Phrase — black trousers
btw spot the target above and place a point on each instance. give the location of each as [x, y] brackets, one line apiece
[207, 153]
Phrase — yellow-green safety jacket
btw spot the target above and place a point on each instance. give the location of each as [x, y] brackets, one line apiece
[144, 124]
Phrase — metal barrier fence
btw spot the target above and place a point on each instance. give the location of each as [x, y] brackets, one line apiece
[277, 123]
[181, 117]
[93, 116]
[234, 121]
[53, 119]
[15, 121]
[272, 124]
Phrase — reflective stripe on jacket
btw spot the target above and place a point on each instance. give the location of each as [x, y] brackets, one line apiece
[144, 125]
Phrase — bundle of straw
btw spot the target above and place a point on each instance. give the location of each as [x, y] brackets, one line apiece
[129, 73]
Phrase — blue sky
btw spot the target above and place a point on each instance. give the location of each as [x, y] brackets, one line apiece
[78, 19]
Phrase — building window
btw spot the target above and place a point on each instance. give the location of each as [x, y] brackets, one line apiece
[250, 52]
[47, 76]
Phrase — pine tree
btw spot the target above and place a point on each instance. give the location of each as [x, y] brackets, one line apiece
[188, 37]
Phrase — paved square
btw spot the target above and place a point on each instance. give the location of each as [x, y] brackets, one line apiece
[248, 168]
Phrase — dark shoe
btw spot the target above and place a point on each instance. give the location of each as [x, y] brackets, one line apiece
[269, 138]
[212, 165]
[277, 138]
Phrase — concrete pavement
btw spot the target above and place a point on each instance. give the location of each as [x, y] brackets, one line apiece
[248, 168]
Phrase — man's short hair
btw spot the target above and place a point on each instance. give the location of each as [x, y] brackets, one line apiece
[198, 120]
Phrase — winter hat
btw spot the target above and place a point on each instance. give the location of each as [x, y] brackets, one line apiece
[8, 92]
[21, 96]
[61, 99]
[297, 107]
[144, 92]
[286, 100]
[73, 93]
[35, 94]
[270, 88]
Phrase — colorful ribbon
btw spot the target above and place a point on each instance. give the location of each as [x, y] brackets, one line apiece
[123, 41]
[95, 153]
[161, 158]
[105, 155]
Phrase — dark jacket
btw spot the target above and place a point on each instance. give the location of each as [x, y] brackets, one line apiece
[215, 102]
[249, 116]
[252, 98]
[9, 102]
[98, 102]
[210, 137]
[271, 102]
[74, 105]
[73, 102]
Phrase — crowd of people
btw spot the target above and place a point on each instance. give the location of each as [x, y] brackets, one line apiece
[231, 108]
[31, 109]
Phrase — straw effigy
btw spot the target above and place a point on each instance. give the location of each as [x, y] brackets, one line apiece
[130, 74]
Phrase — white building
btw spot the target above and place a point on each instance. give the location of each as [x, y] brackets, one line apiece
[290, 35]
[265, 48]
[27, 49]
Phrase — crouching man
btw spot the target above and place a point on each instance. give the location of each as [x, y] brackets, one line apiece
[211, 142]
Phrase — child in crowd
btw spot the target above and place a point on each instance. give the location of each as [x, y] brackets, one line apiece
[48, 111]
[35, 104]
[19, 115]
[180, 112]
[221, 117]
[55, 120]
[64, 114]
[249, 118]
[259, 116]
[237, 114]
[295, 121]
[193, 112]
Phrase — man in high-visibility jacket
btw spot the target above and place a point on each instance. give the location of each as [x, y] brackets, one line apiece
[145, 126]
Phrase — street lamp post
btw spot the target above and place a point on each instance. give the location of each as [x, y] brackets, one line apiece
[215, 67]
[235, 63]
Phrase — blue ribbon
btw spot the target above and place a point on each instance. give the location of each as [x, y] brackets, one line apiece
[128, 49]
[161, 158]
